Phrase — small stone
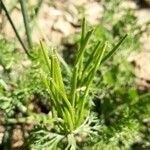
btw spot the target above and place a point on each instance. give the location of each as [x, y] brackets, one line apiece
[63, 26]
[94, 12]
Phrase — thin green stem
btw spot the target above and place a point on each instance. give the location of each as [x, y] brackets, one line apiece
[34, 118]
[14, 28]
[74, 86]
[145, 95]
[114, 49]
[26, 22]
[88, 64]
[76, 71]
[91, 76]
[83, 34]
[45, 56]
[37, 9]
[82, 47]
[7, 137]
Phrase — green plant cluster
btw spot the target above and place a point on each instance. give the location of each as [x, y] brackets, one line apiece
[89, 104]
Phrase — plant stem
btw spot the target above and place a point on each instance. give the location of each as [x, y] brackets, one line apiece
[74, 86]
[115, 48]
[26, 22]
[32, 119]
[7, 138]
[76, 71]
[37, 9]
[9, 121]
[91, 76]
[14, 28]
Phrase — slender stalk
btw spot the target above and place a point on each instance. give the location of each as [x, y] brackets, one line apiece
[74, 86]
[82, 47]
[83, 34]
[114, 49]
[26, 22]
[77, 66]
[56, 89]
[144, 95]
[7, 138]
[32, 119]
[9, 121]
[14, 28]
[37, 9]
[66, 101]
[91, 76]
[45, 55]
[88, 64]
[83, 31]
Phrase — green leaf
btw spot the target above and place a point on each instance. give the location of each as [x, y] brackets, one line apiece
[45, 55]
[82, 47]
[113, 50]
